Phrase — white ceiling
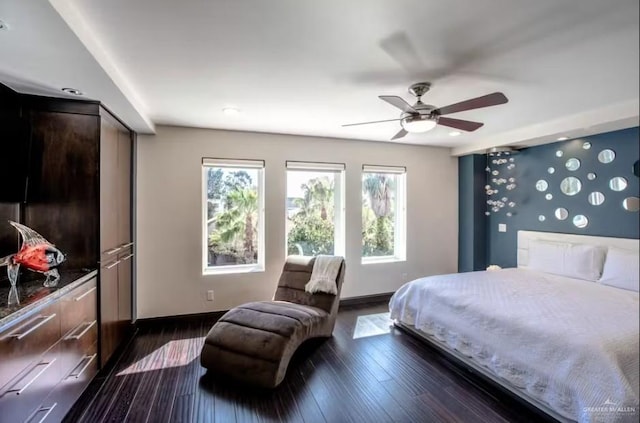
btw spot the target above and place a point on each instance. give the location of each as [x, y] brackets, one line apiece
[303, 67]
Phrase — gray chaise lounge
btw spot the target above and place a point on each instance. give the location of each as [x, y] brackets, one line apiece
[254, 342]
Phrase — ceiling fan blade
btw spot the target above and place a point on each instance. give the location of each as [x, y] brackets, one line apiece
[400, 134]
[475, 103]
[398, 102]
[375, 121]
[399, 48]
[465, 125]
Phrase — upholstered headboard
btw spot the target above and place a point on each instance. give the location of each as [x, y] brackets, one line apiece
[525, 237]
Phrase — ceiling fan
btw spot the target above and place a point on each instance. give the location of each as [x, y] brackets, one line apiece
[424, 117]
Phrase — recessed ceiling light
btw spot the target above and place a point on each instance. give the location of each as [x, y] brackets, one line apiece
[455, 133]
[72, 91]
[563, 138]
[4, 26]
[231, 111]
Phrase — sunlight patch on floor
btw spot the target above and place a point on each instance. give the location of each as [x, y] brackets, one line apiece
[176, 353]
[372, 325]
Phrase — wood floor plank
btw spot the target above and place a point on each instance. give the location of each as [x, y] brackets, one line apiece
[387, 377]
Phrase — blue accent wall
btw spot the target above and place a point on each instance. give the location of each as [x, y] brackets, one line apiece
[609, 219]
[472, 234]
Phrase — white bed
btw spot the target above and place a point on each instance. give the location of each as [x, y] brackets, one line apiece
[568, 346]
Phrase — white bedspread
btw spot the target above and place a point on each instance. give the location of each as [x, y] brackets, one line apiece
[568, 343]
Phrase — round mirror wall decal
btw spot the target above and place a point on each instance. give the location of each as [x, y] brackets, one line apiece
[606, 156]
[559, 153]
[549, 197]
[541, 218]
[631, 204]
[586, 145]
[542, 185]
[580, 221]
[636, 169]
[572, 164]
[618, 183]
[551, 171]
[561, 213]
[591, 176]
[570, 186]
[596, 198]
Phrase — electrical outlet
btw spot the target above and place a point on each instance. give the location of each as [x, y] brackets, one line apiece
[502, 227]
[210, 295]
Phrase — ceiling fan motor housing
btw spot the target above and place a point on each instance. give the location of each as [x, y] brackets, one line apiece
[425, 112]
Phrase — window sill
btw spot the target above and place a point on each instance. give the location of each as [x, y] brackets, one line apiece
[383, 259]
[227, 270]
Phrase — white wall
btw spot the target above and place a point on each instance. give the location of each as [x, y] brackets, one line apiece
[169, 268]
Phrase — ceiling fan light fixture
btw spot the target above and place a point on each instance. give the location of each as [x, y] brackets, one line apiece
[418, 124]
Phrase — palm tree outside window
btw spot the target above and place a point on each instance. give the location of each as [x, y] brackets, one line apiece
[383, 213]
[315, 208]
[233, 211]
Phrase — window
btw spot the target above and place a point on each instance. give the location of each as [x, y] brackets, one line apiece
[315, 208]
[233, 215]
[383, 213]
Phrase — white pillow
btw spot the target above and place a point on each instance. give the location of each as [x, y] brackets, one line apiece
[572, 260]
[621, 269]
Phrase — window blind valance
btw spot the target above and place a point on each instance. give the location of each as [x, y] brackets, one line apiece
[233, 163]
[317, 166]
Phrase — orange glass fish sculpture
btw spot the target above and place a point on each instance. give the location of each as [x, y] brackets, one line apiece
[36, 254]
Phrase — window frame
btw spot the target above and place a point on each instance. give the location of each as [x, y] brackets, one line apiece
[338, 170]
[400, 214]
[238, 164]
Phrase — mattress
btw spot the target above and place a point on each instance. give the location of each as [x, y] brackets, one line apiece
[569, 344]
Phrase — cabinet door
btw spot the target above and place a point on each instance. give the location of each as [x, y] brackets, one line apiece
[109, 332]
[63, 184]
[124, 187]
[108, 185]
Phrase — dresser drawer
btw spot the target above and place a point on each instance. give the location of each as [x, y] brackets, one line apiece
[71, 387]
[78, 306]
[25, 342]
[21, 397]
[76, 344]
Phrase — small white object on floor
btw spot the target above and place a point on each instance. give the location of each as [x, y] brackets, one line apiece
[324, 274]
[494, 267]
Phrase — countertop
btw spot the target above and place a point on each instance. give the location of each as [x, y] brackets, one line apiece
[33, 295]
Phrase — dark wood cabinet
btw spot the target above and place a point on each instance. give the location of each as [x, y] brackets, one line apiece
[15, 151]
[77, 193]
[62, 187]
[115, 234]
[49, 356]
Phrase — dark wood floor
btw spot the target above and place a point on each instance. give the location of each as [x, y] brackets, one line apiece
[376, 377]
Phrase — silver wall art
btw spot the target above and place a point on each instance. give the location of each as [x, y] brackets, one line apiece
[570, 186]
[561, 213]
[580, 221]
[618, 183]
[631, 204]
[500, 168]
[596, 198]
[572, 164]
[606, 156]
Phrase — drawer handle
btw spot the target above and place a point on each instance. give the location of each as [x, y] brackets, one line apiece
[44, 320]
[48, 411]
[85, 294]
[128, 244]
[112, 265]
[81, 334]
[113, 251]
[127, 257]
[43, 366]
[88, 359]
